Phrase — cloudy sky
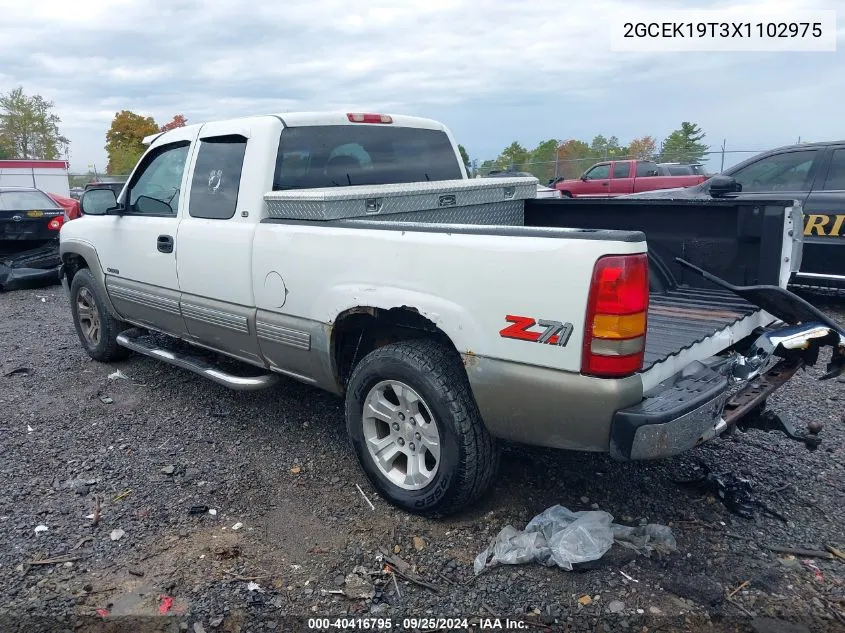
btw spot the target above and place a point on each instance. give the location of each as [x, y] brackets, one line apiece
[493, 71]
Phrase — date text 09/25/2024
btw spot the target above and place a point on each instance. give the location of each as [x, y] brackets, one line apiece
[411, 624]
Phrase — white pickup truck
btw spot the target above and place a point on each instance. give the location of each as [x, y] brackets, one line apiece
[351, 252]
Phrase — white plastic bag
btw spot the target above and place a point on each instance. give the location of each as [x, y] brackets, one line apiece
[561, 537]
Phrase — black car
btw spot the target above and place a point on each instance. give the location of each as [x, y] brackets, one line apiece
[28, 215]
[813, 174]
[114, 185]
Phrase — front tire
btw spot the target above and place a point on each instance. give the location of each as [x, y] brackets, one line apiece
[416, 429]
[96, 328]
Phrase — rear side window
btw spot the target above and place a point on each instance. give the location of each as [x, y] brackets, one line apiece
[217, 177]
[25, 200]
[645, 168]
[621, 170]
[680, 170]
[835, 180]
[343, 155]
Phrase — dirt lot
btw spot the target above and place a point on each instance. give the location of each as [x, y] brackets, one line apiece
[277, 466]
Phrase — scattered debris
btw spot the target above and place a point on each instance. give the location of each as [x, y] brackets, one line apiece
[561, 537]
[254, 586]
[82, 542]
[103, 613]
[53, 561]
[616, 606]
[17, 371]
[96, 515]
[29, 429]
[396, 584]
[215, 622]
[369, 503]
[627, 576]
[118, 375]
[733, 491]
[357, 585]
[237, 526]
[165, 604]
[168, 470]
[419, 543]
[117, 534]
[296, 470]
[813, 553]
[122, 495]
[396, 549]
[135, 571]
[106, 400]
[212, 512]
[198, 510]
[838, 553]
[738, 589]
[585, 600]
[41, 528]
[816, 571]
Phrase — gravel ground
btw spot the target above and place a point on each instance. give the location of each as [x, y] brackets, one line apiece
[113, 467]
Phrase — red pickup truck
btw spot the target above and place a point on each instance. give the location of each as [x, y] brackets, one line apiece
[620, 177]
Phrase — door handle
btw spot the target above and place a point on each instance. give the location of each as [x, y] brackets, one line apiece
[165, 243]
[605, 184]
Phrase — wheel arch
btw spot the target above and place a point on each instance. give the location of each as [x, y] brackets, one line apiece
[77, 255]
[359, 330]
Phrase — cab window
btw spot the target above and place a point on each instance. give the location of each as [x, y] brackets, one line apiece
[599, 172]
[621, 170]
[155, 188]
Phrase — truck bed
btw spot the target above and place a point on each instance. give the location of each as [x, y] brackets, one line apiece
[680, 318]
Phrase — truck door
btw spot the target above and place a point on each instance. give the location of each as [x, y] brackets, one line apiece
[621, 181]
[138, 249]
[824, 222]
[595, 183]
[231, 171]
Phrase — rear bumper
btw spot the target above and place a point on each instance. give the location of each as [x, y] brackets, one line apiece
[673, 419]
[694, 406]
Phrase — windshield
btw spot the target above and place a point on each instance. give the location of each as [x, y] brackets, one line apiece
[343, 155]
[22, 200]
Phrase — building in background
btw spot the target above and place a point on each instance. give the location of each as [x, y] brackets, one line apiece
[51, 176]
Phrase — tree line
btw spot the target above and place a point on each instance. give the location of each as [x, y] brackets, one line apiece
[29, 129]
[555, 158]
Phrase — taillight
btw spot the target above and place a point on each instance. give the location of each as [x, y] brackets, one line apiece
[369, 118]
[56, 223]
[617, 317]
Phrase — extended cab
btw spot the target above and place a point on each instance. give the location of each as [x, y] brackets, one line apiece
[620, 177]
[351, 252]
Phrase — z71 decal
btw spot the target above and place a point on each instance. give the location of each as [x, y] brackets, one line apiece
[554, 332]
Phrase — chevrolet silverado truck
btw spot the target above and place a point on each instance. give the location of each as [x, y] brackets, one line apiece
[811, 173]
[350, 251]
[619, 177]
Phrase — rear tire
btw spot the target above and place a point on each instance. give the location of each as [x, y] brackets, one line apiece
[96, 328]
[565, 194]
[416, 429]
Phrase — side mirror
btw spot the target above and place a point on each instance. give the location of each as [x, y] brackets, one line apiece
[721, 185]
[584, 178]
[97, 201]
